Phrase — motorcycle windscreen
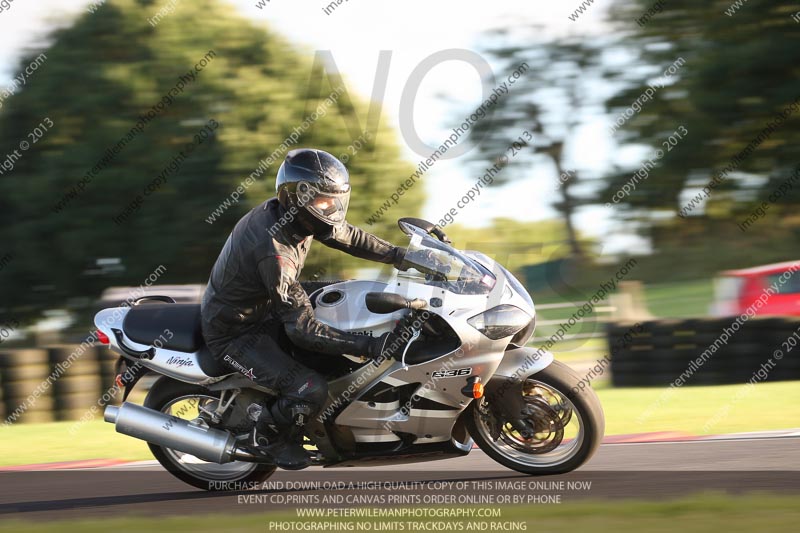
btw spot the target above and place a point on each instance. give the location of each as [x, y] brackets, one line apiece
[457, 273]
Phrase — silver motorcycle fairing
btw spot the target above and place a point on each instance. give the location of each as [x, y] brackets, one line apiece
[519, 363]
[378, 422]
[436, 403]
[182, 366]
[431, 410]
[349, 312]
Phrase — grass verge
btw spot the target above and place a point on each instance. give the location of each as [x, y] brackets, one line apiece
[23, 444]
[707, 512]
[760, 407]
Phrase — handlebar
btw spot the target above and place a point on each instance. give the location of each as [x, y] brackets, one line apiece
[427, 227]
[417, 303]
[385, 303]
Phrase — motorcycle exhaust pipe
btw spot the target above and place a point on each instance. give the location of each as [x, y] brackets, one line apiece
[208, 444]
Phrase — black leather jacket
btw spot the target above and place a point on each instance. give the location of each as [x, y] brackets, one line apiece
[256, 273]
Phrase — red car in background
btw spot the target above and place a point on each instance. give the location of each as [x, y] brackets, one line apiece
[736, 290]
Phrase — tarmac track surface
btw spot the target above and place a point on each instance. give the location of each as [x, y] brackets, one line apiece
[641, 471]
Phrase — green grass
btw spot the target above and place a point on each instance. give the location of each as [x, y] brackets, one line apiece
[681, 299]
[767, 406]
[764, 406]
[707, 512]
[580, 350]
[23, 444]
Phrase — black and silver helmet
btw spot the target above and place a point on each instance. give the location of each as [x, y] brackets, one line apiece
[314, 186]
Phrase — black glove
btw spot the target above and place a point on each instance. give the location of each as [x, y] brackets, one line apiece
[423, 260]
[390, 345]
[399, 257]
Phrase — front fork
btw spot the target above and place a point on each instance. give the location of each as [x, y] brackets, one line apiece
[506, 402]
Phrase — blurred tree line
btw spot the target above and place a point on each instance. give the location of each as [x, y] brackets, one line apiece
[101, 75]
[551, 101]
[740, 71]
[514, 244]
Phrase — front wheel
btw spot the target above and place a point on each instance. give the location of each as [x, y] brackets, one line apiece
[562, 425]
[184, 400]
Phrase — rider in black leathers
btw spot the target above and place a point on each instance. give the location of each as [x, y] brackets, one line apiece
[253, 293]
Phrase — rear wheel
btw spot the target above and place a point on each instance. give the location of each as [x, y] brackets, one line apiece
[567, 425]
[184, 400]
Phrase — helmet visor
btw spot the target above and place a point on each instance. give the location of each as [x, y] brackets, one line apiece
[328, 207]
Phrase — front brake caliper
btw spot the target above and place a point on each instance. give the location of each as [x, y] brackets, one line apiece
[490, 420]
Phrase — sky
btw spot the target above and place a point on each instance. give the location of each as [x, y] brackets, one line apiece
[412, 30]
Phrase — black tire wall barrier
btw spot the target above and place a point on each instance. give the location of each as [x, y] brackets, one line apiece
[663, 352]
[64, 395]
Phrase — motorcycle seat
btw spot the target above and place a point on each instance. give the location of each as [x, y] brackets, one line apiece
[146, 324]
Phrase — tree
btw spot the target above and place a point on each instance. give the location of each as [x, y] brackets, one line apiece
[101, 76]
[740, 71]
[552, 100]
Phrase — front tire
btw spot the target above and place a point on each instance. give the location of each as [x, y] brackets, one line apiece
[165, 395]
[559, 445]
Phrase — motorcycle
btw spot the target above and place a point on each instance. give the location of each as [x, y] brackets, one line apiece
[465, 377]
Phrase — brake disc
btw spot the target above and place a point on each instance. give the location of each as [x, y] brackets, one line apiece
[546, 425]
[537, 393]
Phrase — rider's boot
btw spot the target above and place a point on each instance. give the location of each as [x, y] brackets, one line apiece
[287, 450]
[284, 435]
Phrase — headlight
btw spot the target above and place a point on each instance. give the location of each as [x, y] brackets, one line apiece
[501, 321]
[524, 335]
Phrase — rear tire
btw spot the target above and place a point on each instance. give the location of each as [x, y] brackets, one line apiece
[585, 403]
[165, 391]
